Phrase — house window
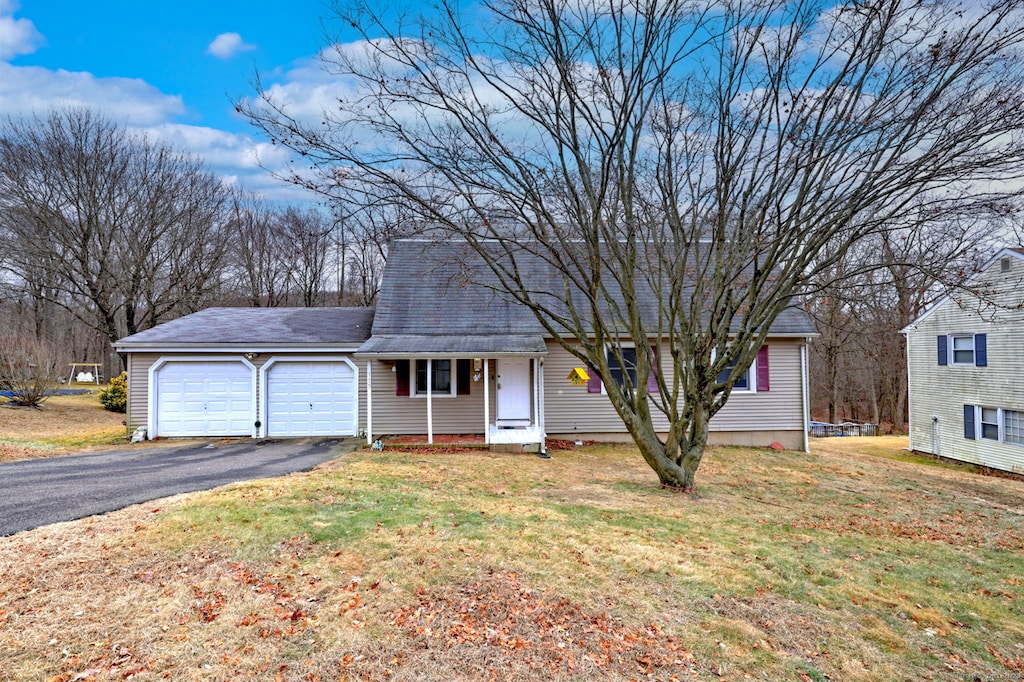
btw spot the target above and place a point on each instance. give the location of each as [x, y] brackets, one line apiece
[990, 423]
[618, 373]
[441, 377]
[963, 349]
[1013, 427]
[1004, 264]
[742, 384]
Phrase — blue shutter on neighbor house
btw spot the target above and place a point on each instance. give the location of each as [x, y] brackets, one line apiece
[969, 421]
[943, 350]
[980, 351]
[762, 369]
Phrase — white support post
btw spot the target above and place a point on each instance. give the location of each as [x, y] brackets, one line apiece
[430, 400]
[487, 401]
[369, 405]
[537, 392]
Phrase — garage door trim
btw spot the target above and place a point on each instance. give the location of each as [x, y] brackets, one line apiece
[153, 428]
[307, 358]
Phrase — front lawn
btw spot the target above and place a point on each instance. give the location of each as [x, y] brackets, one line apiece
[789, 566]
[63, 424]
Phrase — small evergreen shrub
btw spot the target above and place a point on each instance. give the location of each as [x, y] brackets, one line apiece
[115, 396]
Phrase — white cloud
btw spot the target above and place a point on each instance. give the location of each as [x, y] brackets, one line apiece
[27, 90]
[227, 45]
[17, 36]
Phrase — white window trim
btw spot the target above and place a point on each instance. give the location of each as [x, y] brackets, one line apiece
[952, 350]
[998, 423]
[414, 389]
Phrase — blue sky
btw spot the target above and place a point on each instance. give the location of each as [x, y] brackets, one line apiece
[171, 69]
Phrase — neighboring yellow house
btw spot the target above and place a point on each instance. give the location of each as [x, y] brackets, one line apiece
[965, 361]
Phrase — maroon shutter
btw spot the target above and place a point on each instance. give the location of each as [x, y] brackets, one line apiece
[652, 378]
[594, 382]
[762, 369]
[401, 377]
[463, 375]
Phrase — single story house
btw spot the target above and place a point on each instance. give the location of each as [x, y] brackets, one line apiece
[965, 364]
[440, 354]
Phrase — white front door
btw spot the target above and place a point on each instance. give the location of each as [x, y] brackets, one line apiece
[514, 391]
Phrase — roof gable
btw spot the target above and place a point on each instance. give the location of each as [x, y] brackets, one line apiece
[446, 289]
[1009, 252]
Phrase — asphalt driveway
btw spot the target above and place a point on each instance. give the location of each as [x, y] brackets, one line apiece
[38, 492]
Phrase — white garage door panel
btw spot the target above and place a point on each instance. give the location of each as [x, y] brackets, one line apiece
[204, 399]
[311, 399]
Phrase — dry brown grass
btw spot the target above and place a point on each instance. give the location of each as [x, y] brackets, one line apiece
[61, 425]
[474, 566]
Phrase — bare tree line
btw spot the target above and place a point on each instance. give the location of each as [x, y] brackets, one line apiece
[104, 233]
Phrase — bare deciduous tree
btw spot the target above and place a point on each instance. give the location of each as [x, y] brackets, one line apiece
[718, 155]
[120, 231]
[29, 370]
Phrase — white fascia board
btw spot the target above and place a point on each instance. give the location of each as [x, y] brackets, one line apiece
[446, 355]
[234, 348]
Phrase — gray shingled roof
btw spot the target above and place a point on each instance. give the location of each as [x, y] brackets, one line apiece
[437, 293]
[262, 326]
[472, 345]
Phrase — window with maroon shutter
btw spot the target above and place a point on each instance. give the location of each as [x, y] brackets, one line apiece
[652, 378]
[463, 376]
[762, 370]
[401, 377]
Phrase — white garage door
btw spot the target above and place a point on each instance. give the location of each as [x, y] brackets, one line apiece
[316, 398]
[204, 399]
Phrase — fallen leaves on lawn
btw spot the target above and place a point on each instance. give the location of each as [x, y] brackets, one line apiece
[508, 630]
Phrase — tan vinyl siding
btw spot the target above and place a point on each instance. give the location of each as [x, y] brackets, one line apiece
[140, 363]
[942, 390]
[402, 414]
[571, 409]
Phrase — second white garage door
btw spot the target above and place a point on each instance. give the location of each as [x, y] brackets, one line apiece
[311, 398]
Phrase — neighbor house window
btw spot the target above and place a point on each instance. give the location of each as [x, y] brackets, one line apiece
[1006, 426]
[990, 423]
[440, 379]
[963, 350]
[1013, 427]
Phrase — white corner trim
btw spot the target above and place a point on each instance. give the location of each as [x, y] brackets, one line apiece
[152, 427]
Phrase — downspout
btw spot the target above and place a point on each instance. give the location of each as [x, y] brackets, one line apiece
[540, 411]
[806, 402]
